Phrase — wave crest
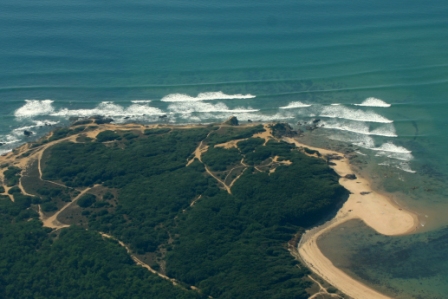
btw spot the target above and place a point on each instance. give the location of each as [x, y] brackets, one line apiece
[34, 108]
[111, 110]
[373, 102]
[387, 130]
[199, 107]
[204, 96]
[294, 105]
[352, 114]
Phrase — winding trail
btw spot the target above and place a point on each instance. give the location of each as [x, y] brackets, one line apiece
[144, 265]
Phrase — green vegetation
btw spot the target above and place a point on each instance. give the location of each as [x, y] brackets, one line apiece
[231, 133]
[157, 131]
[64, 132]
[107, 136]
[86, 200]
[311, 152]
[219, 159]
[75, 264]
[178, 218]
[12, 175]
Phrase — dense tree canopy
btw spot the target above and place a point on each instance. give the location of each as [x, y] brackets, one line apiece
[148, 192]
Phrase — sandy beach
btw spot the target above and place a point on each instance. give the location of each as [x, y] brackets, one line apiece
[375, 209]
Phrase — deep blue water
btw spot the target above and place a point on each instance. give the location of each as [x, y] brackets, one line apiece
[202, 61]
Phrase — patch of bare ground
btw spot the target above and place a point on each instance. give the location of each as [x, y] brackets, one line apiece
[230, 144]
[226, 179]
[52, 221]
[266, 135]
[74, 214]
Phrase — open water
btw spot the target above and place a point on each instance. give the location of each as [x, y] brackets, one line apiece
[374, 72]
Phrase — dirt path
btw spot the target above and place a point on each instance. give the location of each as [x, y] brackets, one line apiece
[2, 181]
[218, 179]
[52, 221]
[195, 200]
[322, 290]
[236, 179]
[266, 135]
[142, 264]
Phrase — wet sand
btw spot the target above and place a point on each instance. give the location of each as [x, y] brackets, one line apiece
[375, 209]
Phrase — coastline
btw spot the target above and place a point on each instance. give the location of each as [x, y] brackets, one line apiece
[375, 209]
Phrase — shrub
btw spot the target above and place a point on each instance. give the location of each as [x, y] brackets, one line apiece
[86, 200]
[107, 136]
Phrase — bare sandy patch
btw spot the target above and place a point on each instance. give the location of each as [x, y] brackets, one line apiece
[52, 221]
[266, 135]
[375, 209]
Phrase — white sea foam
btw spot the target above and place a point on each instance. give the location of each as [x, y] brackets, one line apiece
[390, 147]
[405, 167]
[387, 130]
[34, 108]
[8, 139]
[294, 105]
[19, 131]
[364, 141]
[373, 102]
[110, 109]
[4, 151]
[141, 101]
[352, 114]
[41, 123]
[335, 104]
[393, 151]
[204, 96]
[200, 107]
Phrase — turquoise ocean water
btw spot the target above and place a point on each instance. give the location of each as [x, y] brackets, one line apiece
[374, 72]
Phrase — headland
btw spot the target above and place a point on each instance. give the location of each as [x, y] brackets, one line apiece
[375, 209]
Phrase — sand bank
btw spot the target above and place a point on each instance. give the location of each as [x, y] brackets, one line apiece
[375, 209]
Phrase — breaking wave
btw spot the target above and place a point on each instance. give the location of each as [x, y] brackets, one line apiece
[387, 130]
[200, 107]
[141, 101]
[204, 96]
[294, 105]
[34, 108]
[352, 114]
[393, 151]
[110, 109]
[373, 102]
[390, 147]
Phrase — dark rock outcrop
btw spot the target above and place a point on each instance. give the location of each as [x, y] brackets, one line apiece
[232, 121]
[334, 157]
[99, 120]
[351, 176]
[27, 133]
[283, 130]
